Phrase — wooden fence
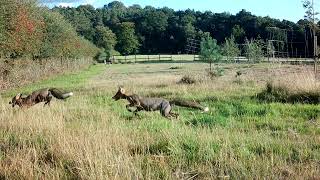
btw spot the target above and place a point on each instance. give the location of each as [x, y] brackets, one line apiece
[189, 58]
[153, 58]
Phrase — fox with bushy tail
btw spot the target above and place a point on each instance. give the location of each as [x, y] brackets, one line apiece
[155, 104]
[42, 95]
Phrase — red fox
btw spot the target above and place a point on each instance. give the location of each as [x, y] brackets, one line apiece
[42, 95]
[154, 104]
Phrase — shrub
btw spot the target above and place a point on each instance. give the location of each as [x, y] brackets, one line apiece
[27, 30]
[218, 72]
[187, 80]
[285, 93]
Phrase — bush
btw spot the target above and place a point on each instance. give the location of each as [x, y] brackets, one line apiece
[27, 30]
[218, 72]
[286, 94]
[187, 80]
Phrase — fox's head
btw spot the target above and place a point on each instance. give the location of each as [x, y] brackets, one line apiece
[120, 94]
[16, 100]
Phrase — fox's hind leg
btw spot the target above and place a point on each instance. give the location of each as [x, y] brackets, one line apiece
[166, 111]
[48, 100]
[175, 115]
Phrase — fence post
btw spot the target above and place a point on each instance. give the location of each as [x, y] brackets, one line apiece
[194, 57]
[148, 58]
[125, 59]
[159, 57]
[171, 58]
[135, 58]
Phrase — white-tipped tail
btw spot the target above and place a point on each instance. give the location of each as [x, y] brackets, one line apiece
[66, 95]
[206, 109]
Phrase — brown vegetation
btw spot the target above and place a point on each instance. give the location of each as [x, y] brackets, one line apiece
[16, 73]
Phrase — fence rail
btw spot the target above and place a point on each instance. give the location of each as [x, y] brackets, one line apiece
[153, 58]
[188, 57]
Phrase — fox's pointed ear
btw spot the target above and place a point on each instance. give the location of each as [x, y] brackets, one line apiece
[18, 96]
[122, 90]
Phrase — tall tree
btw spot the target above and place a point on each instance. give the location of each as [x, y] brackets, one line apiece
[311, 16]
[127, 39]
[230, 49]
[238, 33]
[105, 38]
[210, 50]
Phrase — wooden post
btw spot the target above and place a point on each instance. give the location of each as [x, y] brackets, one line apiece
[135, 58]
[125, 59]
[268, 53]
[159, 57]
[315, 51]
[148, 58]
[171, 58]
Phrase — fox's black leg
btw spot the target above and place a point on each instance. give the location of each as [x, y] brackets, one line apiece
[48, 100]
[128, 107]
[137, 110]
[47, 103]
[175, 115]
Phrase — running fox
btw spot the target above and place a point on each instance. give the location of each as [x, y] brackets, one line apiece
[154, 104]
[42, 95]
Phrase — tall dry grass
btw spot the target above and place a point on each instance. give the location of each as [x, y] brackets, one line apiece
[298, 87]
[16, 73]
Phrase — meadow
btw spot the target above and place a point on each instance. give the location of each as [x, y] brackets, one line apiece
[90, 136]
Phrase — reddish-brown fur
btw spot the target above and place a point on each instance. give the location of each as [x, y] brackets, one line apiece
[42, 95]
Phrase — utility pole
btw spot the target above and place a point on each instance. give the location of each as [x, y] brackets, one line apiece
[315, 40]
[311, 17]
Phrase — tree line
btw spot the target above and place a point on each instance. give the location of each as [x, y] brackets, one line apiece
[128, 30]
[28, 30]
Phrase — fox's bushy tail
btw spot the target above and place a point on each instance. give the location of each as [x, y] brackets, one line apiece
[60, 94]
[189, 104]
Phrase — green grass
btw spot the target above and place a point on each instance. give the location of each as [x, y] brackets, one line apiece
[90, 136]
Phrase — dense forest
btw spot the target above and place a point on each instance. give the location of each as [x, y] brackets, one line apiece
[150, 30]
[27, 29]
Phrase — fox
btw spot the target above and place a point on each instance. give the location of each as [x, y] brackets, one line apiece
[155, 104]
[38, 96]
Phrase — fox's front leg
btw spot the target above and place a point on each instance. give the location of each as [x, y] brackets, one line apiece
[128, 107]
[137, 110]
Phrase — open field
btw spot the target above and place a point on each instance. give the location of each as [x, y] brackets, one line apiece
[90, 136]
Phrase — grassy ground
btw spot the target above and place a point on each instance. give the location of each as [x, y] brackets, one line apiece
[90, 136]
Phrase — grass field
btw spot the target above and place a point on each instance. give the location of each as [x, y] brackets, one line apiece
[90, 136]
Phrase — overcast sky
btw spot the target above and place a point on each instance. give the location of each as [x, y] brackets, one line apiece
[281, 9]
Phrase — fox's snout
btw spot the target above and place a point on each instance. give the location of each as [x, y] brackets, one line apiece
[115, 98]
